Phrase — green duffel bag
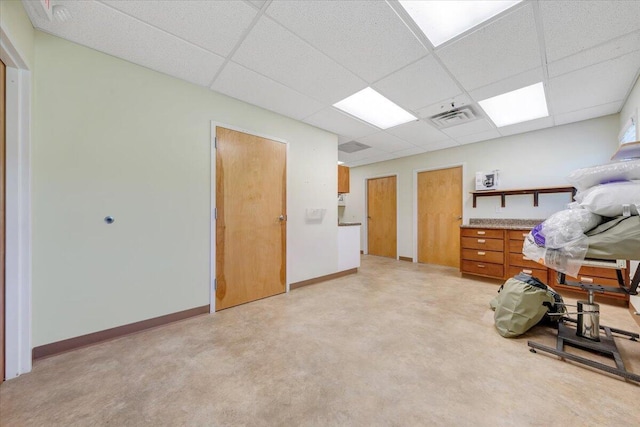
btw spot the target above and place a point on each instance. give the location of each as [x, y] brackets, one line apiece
[522, 302]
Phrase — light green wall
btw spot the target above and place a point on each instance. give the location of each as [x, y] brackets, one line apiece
[541, 158]
[632, 106]
[113, 138]
[16, 24]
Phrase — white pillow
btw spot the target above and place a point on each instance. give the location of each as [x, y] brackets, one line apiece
[610, 199]
[586, 178]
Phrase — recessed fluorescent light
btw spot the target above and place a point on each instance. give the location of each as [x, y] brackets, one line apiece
[340, 163]
[520, 105]
[374, 108]
[441, 21]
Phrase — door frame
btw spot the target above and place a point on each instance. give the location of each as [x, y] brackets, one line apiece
[365, 224]
[212, 218]
[415, 199]
[18, 210]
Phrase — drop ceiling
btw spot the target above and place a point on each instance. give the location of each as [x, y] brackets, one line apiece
[298, 58]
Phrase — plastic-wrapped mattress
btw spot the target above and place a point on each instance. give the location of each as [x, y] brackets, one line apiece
[618, 238]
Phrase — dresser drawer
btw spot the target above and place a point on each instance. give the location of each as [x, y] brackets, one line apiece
[482, 268]
[515, 246]
[489, 233]
[520, 260]
[485, 256]
[518, 234]
[609, 273]
[540, 274]
[591, 280]
[482, 243]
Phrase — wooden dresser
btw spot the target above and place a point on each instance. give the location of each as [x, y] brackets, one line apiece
[496, 252]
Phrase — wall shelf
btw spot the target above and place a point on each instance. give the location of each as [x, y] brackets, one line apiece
[534, 191]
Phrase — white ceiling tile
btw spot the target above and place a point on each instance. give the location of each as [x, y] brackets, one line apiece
[420, 84]
[410, 152]
[374, 159]
[366, 37]
[214, 25]
[509, 84]
[339, 123]
[246, 85]
[359, 155]
[385, 142]
[503, 48]
[418, 133]
[477, 137]
[529, 126]
[476, 126]
[596, 85]
[443, 105]
[610, 50]
[258, 3]
[588, 113]
[102, 28]
[572, 26]
[278, 54]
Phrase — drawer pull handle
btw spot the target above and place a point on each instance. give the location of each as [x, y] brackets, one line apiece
[527, 271]
[586, 279]
[525, 234]
[481, 240]
[524, 258]
[482, 253]
[480, 266]
[482, 233]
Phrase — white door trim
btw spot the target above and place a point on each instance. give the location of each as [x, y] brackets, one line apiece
[415, 200]
[18, 211]
[212, 256]
[365, 225]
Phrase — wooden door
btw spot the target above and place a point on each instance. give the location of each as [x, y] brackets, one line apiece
[440, 216]
[251, 224]
[3, 168]
[382, 216]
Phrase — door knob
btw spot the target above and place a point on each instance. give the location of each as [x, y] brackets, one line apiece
[459, 217]
[282, 217]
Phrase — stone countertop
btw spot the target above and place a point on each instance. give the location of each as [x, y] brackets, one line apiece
[502, 223]
[347, 224]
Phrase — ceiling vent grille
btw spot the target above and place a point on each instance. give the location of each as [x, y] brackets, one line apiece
[352, 147]
[454, 117]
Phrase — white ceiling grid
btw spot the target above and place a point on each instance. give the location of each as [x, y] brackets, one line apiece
[297, 58]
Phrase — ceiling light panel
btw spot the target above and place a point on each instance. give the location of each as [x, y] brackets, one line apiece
[441, 21]
[370, 106]
[517, 106]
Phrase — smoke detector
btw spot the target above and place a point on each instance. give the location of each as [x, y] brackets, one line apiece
[352, 147]
[454, 117]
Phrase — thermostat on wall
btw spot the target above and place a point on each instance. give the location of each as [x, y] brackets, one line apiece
[487, 180]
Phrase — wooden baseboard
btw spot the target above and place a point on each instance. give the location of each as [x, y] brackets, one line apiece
[313, 281]
[405, 258]
[117, 332]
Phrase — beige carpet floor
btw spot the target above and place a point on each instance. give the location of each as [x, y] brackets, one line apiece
[398, 344]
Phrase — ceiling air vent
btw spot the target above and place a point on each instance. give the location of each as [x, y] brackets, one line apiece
[454, 117]
[352, 147]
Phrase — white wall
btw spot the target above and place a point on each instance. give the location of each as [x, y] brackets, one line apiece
[536, 159]
[113, 138]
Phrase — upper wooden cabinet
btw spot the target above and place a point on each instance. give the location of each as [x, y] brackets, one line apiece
[343, 179]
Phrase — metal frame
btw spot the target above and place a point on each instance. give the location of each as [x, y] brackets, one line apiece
[606, 346]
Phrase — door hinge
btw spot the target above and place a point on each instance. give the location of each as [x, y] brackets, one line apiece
[215, 142]
[215, 214]
[215, 285]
